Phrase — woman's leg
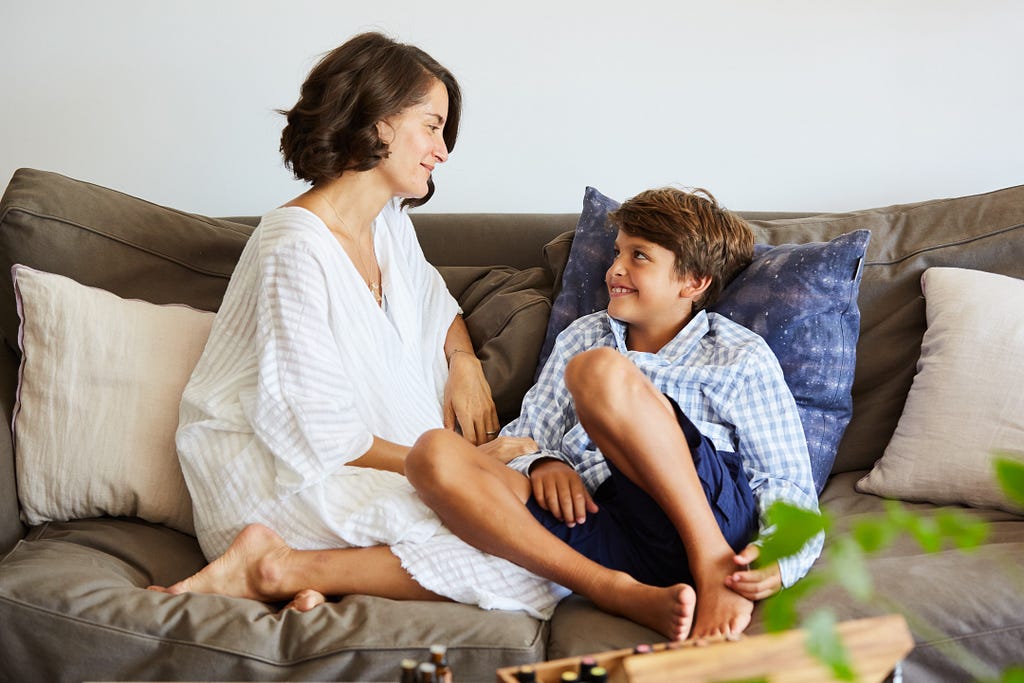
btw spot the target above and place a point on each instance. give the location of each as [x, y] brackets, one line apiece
[260, 565]
[482, 501]
[635, 427]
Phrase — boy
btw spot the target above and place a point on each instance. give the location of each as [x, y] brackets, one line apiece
[654, 436]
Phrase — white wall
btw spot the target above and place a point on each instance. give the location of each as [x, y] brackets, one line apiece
[796, 104]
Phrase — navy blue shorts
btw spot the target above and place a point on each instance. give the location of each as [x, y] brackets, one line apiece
[632, 534]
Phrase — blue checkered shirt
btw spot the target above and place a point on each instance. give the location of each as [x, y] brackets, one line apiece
[726, 381]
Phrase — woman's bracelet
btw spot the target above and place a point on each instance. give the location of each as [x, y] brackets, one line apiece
[448, 358]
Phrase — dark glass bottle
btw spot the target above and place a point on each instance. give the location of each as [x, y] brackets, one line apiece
[439, 658]
[587, 664]
[598, 675]
[427, 673]
[526, 674]
[408, 671]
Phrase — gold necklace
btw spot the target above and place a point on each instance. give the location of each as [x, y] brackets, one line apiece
[374, 281]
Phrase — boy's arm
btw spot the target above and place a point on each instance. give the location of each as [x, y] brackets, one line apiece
[547, 413]
[771, 441]
[547, 416]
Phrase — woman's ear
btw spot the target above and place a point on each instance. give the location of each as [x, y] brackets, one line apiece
[385, 132]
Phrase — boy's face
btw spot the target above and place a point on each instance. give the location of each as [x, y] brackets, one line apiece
[645, 290]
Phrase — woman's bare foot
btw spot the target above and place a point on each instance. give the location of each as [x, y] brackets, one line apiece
[667, 610]
[251, 567]
[306, 600]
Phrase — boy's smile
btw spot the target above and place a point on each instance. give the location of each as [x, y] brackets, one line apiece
[646, 292]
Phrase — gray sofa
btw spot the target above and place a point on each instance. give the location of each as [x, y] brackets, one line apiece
[72, 600]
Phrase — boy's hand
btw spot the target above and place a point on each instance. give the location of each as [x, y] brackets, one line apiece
[508, 448]
[559, 490]
[754, 584]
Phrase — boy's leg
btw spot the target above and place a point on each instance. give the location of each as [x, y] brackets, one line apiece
[483, 501]
[635, 427]
[260, 565]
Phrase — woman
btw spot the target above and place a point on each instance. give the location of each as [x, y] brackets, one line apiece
[336, 346]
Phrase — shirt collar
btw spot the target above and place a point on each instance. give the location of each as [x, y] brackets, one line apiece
[679, 347]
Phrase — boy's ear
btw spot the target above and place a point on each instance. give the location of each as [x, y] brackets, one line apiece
[693, 286]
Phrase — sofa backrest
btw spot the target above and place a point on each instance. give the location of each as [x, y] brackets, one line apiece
[981, 232]
[137, 249]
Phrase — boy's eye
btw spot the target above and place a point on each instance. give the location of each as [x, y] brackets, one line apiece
[639, 255]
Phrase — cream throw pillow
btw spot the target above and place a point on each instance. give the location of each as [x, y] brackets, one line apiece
[100, 383]
[967, 399]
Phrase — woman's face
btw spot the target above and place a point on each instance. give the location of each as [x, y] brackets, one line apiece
[416, 143]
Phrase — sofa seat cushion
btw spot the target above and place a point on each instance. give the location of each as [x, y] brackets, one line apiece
[102, 566]
[955, 607]
[949, 598]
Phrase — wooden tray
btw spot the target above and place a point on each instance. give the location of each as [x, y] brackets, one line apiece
[876, 646]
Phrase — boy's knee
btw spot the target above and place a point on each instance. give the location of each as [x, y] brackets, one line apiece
[597, 372]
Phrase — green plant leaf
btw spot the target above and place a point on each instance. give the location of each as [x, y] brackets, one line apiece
[874, 534]
[1015, 674]
[824, 644]
[791, 527]
[926, 531]
[1010, 473]
[851, 571]
[964, 532]
[780, 612]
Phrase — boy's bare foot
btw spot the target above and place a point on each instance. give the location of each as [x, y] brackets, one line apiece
[721, 612]
[667, 610]
[251, 567]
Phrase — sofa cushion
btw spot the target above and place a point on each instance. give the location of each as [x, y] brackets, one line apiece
[104, 238]
[966, 402]
[581, 287]
[802, 298]
[982, 232]
[965, 607]
[102, 567]
[100, 382]
[506, 312]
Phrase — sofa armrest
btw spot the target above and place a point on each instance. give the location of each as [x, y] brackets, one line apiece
[11, 528]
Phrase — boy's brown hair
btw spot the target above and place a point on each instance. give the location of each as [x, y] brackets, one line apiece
[707, 239]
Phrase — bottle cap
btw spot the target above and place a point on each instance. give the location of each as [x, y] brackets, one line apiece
[438, 649]
[526, 674]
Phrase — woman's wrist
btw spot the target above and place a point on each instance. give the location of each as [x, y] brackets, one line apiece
[454, 352]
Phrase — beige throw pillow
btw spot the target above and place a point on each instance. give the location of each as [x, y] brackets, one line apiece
[100, 383]
[967, 399]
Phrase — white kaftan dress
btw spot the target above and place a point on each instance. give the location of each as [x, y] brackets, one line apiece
[301, 370]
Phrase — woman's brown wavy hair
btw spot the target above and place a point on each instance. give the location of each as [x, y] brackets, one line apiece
[333, 127]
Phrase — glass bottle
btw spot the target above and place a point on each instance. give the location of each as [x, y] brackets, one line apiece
[439, 658]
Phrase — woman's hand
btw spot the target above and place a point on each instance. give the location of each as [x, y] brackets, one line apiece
[557, 487]
[754, 584]
[507, 448]
[467, 399]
